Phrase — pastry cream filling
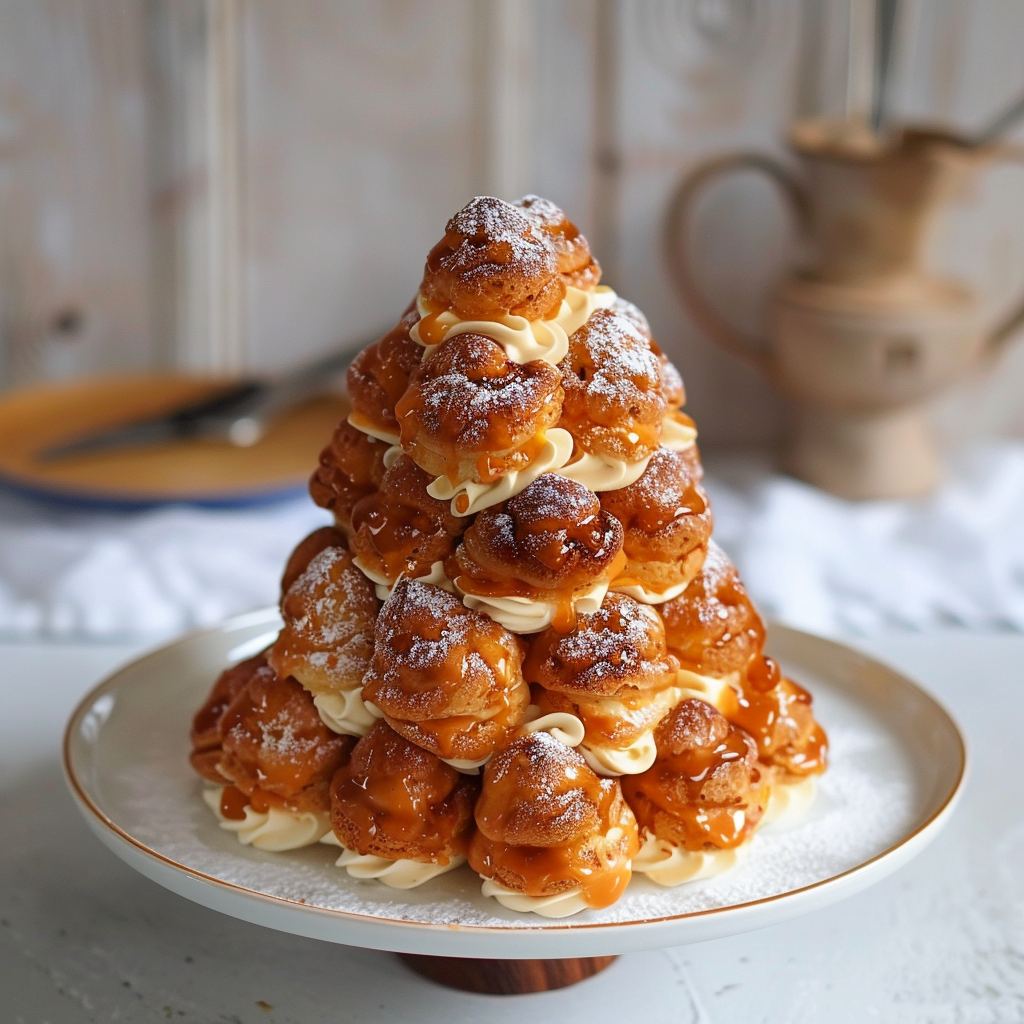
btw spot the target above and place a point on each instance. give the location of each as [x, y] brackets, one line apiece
[563, 904]
[640, 593]
[527, 614]
[523, 340]
[667, 864]
[360, 422]
[383, 586]
[276, 829]
[466, 766]
[468, 497]
[790, 799]
[399, 874]
[565, 728]
[638, 756]
[633, 759]
[344, 712]
[675, 435]
[392, 455]
[604, 472]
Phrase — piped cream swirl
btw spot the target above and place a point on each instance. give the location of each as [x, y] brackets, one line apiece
[344, 712]
[523, 340]
[529, 615]
[275, 830]
[553, 455]
[398, 874]
[669, 865]
[383, 586]
[604, 472]
[563, 904]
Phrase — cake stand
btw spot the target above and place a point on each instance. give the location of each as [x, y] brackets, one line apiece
[897, 767]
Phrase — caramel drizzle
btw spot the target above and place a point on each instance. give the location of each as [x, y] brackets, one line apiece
[674, 785]
[601, 878]
[765, 699]
[383, 802]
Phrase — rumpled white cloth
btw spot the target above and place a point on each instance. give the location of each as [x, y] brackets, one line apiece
[811, 560]
[954, 559]
[110, 575]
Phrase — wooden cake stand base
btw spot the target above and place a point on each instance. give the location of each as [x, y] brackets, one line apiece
[506, 977]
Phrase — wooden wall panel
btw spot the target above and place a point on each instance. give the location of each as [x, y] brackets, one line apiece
[74, 215]
[363, 134]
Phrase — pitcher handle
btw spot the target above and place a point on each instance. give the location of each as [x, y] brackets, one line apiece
[680, 265]
[1009, 325]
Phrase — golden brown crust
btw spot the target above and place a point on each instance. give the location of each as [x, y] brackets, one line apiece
[671, 379]
[713, 626]
[445, 677]
[614, 400]
[666, 520]
[546, 824]
[275, 748]
[395, 800]
[206, 732]
[329, 615]
[494, 260]
[401, 528]
[351, 467]
[538, 792]
[551, 537]
[379, 375]
[470, 412]
[572, 253]
[706, 789]
[621, 645]
[306, 550]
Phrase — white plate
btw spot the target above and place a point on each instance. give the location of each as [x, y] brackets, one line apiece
[897, 766]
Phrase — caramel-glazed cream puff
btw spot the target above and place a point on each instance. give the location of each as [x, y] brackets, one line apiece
[778, 714]
[551, 837]
[615, 674]
[259, 739]
[538, 558]
[329, 612]
[471, 413]
[713, 627]
[401, 529]
[666, 521]
[378, 377]
[495, 259]
[518, 630]
[445, 677]
[351, 467]
[395, 801]
[614, 399]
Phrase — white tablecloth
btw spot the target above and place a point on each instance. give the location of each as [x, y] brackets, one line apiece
[814, 561]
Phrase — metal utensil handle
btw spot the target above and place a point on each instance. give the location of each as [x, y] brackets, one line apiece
[678, 255]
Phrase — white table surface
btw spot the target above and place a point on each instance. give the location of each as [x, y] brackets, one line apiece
[84, 938]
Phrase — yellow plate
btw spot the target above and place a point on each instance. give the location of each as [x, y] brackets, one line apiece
[194, 471]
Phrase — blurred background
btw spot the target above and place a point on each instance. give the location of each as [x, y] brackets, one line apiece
[234, 185]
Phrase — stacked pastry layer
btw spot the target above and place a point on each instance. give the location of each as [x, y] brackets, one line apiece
[519, 644]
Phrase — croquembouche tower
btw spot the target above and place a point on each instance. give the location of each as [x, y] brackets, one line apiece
[518, 646]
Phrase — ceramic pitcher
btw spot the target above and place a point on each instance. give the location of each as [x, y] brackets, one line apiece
[864, 334]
